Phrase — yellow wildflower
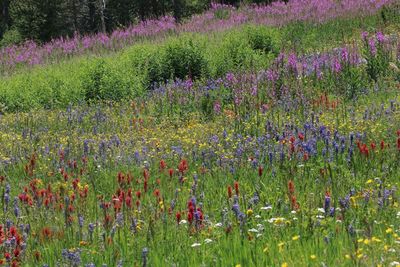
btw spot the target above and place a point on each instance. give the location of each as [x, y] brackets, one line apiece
[296, 237]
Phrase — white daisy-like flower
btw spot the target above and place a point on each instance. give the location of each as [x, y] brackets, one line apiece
[194, 245]
[218, 224]
[320, 217]
[394, 263]
[183, 222]
[266, 208]
[253, 230]
[207, 241]
[321, 210]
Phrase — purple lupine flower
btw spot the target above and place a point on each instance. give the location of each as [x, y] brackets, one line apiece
[16, 208]
[292, 61]
[72, 256]
[80, 220]
[351, 230]
[120, 219]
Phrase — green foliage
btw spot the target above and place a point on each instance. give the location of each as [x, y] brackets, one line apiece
[11, 37]
[351, 82]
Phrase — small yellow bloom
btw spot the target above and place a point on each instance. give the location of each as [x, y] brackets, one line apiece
[83, 243]
[370, 181]
[249, 212]
[374, 239]
[389, 230]
[280, 246]
[284, 264]
[296, 237]
[313, 257]
[360, 255]
[238, 265]
[367, 241]
[265, 250]
[347, 256]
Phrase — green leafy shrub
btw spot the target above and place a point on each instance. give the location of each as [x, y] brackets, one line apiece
[184, 58]
[104, 81]
[376, 55]
[11, 37]
[263, 39]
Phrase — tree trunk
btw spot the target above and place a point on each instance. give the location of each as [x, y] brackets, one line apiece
[102, 8]
[75, 16]
[5, 13]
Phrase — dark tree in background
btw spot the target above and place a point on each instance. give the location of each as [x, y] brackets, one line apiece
[5, 16]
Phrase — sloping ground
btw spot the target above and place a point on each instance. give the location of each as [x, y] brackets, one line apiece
[135, 70]
[291, 163]
[218, 18]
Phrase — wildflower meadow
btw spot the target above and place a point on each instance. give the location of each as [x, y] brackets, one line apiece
[259, 135]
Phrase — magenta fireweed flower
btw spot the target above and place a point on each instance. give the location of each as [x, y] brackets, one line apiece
[364, 35]
[380, 37]
[231, 78]
[345, 54]
[372, 46]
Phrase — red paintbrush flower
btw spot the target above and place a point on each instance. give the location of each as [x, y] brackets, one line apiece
[171, 172]
[236, 185]
[291, 187]
[183, 166]
[163, 165]
[229, 191]
[178, 217]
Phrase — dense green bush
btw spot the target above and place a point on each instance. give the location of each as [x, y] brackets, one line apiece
[249, 47]
[103, 80]
[184, 58]
[263, 39]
